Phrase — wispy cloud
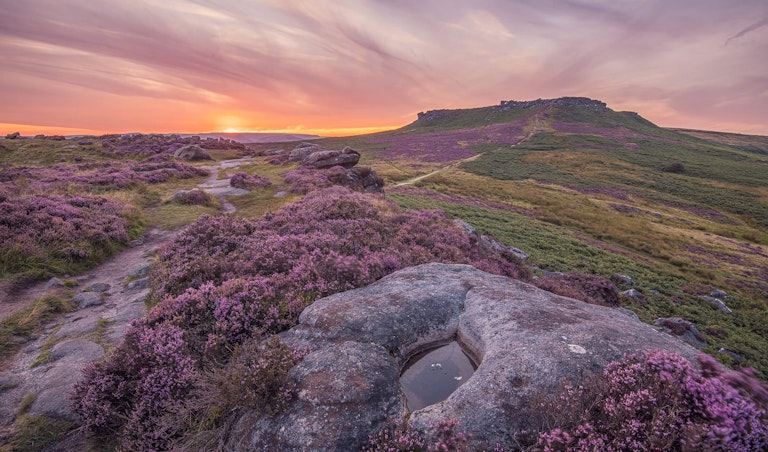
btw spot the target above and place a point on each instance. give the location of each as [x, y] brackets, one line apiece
[362, 63]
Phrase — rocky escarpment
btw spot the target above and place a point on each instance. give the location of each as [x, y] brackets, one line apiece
[522, 337]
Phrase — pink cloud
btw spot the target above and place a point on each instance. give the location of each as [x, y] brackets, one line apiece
[372, 62]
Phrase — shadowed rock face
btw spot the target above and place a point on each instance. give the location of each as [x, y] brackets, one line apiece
[522, 337]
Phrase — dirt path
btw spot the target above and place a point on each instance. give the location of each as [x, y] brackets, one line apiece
[111, 295]
[536, 128]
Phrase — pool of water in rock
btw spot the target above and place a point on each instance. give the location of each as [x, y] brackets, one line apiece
[433, 375]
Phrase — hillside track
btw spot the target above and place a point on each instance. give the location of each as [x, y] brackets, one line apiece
[535, 129]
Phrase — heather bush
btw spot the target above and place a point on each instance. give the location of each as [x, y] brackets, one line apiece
[226, 281]
[129, 392]
[246, 182]
[257, 376]
[108, 175]
[305, 179]
[658, 401]
[592, 289]
[194, 198]
[54, 234]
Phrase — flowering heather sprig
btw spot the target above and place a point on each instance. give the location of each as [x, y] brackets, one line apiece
[448, 439]
[658, 401]
[395, 438]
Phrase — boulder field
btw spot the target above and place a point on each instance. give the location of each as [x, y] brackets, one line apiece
[523, 338]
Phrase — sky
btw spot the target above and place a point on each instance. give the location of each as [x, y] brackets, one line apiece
[343, 67]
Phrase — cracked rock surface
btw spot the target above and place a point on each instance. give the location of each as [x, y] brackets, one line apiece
[523, 338]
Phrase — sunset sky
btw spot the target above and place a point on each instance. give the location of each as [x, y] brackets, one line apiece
[348, 66]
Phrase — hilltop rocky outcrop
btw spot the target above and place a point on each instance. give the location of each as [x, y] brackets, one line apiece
[523, 338]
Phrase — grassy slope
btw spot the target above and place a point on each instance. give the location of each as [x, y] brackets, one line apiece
[599, 200]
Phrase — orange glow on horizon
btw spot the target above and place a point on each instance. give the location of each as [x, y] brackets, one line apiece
[32, 130]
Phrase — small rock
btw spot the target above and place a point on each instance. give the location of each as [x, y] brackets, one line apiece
[87, 299]
[77, 351]
[280, 194]
[735, 356]
[136, 242]
[54, 282]
[720, 305]
[192, 152]
[138, 284]
[98, 287]
[683, 329]
[140, 272]
[150, 252]
[518, 253]
[633, 294]
[618, 278]
[717, 293]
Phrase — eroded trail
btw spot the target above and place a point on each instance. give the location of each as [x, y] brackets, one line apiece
[108, 297]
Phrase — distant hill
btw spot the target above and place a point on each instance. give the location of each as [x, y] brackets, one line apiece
[253, 137]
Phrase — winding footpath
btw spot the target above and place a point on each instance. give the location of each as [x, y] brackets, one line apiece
[109, 297]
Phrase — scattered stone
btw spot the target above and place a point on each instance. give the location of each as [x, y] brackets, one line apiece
[98, 287]
[633, 294]
[280, 194]
[733, 355]
[683, 329]
[192, 152]
[618, 278]
[136, 242]
[140, 272]
[150, 252]
[138, 284]
[87, 299]
[78, 326]
[717, 293]
[54, 282]
[348, 385]
[719, 303]
[77, 351]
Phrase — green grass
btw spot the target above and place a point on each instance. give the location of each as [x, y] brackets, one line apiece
[715, 177]
[26, 321]
[556, 248]
[32, 433]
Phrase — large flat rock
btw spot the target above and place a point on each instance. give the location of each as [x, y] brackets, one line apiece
[522, 337]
